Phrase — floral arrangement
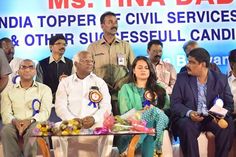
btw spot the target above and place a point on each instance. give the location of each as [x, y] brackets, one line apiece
[67, 127]
[76, 126]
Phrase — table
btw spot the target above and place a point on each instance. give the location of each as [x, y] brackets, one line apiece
[43, 146]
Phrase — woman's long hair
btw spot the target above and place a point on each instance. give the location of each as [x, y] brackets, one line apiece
[151, 84]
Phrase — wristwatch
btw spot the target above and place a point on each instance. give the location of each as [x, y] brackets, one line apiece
[32, 120]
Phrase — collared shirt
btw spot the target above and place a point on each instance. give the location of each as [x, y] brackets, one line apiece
[201, 104]
[111, 61]
[232, 84]
[14, 64]
[49, 71]
[17, 102]
[166, 75]
[51, 59]
[4, 65]
[72, 98]
[39, 76]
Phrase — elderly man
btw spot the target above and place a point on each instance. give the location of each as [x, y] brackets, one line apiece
[113, 57]
[75, 99]
[166, 74]
[24, 104]
[194, 93]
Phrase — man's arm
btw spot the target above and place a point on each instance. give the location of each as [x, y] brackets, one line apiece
[131, 56]
[228, 97]
[173, 76]
[3, 82]
[6, 108]
[39, 76]
[178, 96]
[46, 104]
[5, 70]
[62, 102]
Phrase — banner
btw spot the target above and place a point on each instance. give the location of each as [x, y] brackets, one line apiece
[31, 23]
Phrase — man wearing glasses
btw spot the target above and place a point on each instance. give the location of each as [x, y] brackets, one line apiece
[52, 69]
[22, 105]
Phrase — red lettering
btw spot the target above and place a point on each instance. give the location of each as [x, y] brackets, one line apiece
[58, 4]
[198, 2]
[139, 2]
[209, 1]
[183, 2]
[78, 4]
[149, 3]
[64, 4]
[121, 3]
[108, 3]
[224, 1]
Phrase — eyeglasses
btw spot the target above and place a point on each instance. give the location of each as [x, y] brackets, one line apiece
[86, 61]
[24, 67]
[64, 44]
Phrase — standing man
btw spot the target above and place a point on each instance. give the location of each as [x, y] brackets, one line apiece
[166, 74]
[14, 62]
[24, 104]
[85, 96]
[5, 70]
[194, 93]
[113, 57]
[190, 45]
[52, 69]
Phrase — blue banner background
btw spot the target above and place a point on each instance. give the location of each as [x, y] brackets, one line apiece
[139, 22]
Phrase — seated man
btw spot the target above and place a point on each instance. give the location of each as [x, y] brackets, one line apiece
[193, 95]
[24, 104]
[232, 78]
[74, 99]
[190, 45]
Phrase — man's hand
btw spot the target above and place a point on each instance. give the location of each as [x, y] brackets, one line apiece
[196, 117]
[62, 76]
[21, 125]
[88, 122]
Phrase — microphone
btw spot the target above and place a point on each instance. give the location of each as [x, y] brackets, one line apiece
[222, 123]
[217, 112]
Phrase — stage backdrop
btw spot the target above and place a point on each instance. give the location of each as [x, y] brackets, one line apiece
[30, 23]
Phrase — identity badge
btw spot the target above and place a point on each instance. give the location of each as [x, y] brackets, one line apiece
[121, 59]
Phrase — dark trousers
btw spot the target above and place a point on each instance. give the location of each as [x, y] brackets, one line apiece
[188, 132]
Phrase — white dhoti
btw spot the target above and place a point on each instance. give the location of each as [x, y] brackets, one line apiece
[81, 146]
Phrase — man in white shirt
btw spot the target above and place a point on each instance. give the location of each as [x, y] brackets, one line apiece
[232, 76]
[73, 100]
[14, 62]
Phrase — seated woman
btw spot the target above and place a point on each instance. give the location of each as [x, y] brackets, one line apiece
[142, 93]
